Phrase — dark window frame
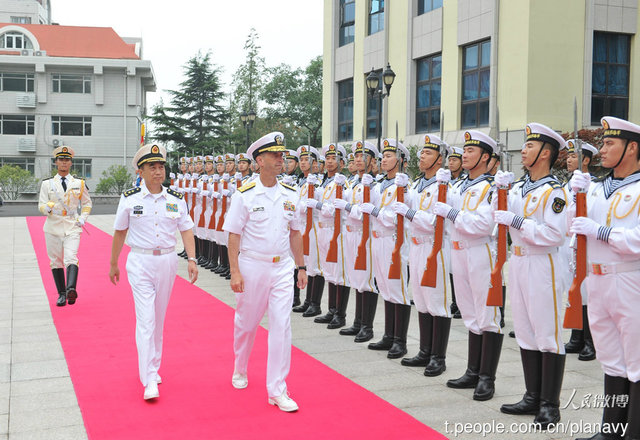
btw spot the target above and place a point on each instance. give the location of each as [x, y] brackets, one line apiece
[71, 125]
[70, 83]
[480, 103]
[80, 166]
[347, 27]
[425, 6]
[28, 78]
[26, 163]
[9, 123]
[345, 124]
[605, 101]
[375, 18]
[434, 78]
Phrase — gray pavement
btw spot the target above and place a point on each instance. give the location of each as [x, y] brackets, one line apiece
[37, 399]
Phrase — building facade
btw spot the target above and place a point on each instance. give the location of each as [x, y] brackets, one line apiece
[25, 11]
[477, 63]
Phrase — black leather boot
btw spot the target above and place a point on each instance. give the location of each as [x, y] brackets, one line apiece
[307, 300]
[226, 272]
[614, 416]
[532, 368]
[296, 289]
[633, 414]
[339, 318]
[72, 280]
[470, 377]
[204, 249]
[357, 320]
[213, 256]
[332, 300]
[389, 324]
[552, 375]
[491, 349]
[316, 298]
[58, 278]
[399, 347]
[221, 254]
[369, 305]
[455, 311]
[504, 301]
[588, 352]
[437, 364]
[425, 322]
[576, 342]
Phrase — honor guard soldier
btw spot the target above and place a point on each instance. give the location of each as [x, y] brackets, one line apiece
[264, 231]
[472, 224]
[536, 218]
[433, 303]
[207, 209]
[60, 198]
[457, 173]
[613, 246]
[148, 216]
[291, 165]
[351, 166]
[215, 194]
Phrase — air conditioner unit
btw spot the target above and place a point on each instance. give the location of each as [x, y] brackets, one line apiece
[57, 142]
[27, 144]
[26, 100]
[40, 53]
[26, 52]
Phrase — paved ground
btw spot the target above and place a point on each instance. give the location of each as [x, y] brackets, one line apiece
[20, 209]
[37, 400]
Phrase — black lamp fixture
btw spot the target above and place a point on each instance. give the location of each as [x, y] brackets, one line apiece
[373, 84]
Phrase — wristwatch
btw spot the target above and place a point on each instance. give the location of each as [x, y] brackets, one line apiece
[192, 259]
[302, 268]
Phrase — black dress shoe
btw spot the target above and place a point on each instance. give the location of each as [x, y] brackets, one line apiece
[351, 331]
[588, 352]
[312, 310]
[326, 318]
[302, 307]
[512, 334]
[62, 300]
[296, 302]
[457, 315]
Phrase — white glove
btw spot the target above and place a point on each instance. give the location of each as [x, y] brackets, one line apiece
[503, 217]
[584, 226]
[237, 176]
[580, 181]
[196, 190]
[367, 179]
[401, 180]
[327, 210]
[205, 193]
[195, 175]
[80, 221]
[288, 180]
[503, 178]
[48, 209]
[311, 203]
[340, 179]
[180, 176]
[400, 208]
[225, 193]
[443, 175]
[340, 204]
[226, 177]
[172, 176]
[442, 209]
[187, 176]
[216, 195]
[216, 178]
[367, 208]
[312, 179]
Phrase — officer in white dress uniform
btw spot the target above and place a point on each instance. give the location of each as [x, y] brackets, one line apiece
[264, 231]
[60, 198]
[536, 217]
[613, 248]
[151, 214]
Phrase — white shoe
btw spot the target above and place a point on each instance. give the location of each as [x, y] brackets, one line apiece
[151, 391]
[239, 381]
[284, 402]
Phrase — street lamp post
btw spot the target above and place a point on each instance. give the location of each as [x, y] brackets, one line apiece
[247, 121]
[373, 82]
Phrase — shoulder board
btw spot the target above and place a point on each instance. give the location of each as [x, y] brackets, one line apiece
[490, 180]
[247, 187]
[174, 193]
[599, 179]
[47, 178]
[555, 184]
[288, 186]
[132, 191]
[76, 177]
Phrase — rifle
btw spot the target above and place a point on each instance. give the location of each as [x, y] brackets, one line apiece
[310, 195]
[204, 206]
[573, 313]
[193, 199]
[212, 220]
[332, 254]
[396, 260]
[225, 185]
[361, 259]
[430, 275]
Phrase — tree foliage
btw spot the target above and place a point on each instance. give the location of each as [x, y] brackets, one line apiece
[114, 180]
[250, 77]
[15, 180]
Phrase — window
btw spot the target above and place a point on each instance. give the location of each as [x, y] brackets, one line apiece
[79, 167]
[428, 5]
[71, 83]
[16, 82]
[376, 16]
[475, 84]
[610, 77]
[26, 163]
[373, 108]
[428, 94]
[71, 126]
[17, 124]
[347, 21]
[21, 20]
[345, 110]
[14, 40]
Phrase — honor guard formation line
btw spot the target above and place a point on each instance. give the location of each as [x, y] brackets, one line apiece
[273, 231]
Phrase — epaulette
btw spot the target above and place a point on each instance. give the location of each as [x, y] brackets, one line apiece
[288, 186]
[247, 187]
[555, 184]
[132, 191]
[173, 193]
[599, 179]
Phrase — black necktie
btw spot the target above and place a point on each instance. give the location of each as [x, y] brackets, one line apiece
[64, 184]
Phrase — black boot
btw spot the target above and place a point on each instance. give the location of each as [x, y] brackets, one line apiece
[357, 320]
[226, 272]
[504, 301]
[614, 416]
[296, 290]
[389, 324]
[576, 342]
[399, 347]
[437, 364]
[339, 318]
[633, 414]
[588, 352]
[183, 254]
[305, 305]
[72, 280]
[532, 367]
[220, 267]
[552, 375]
[455, 311]
[213, 256]
[332, 300]
[204, 249]
[316, 297]
[58, 277]
[369, 305]
[491, 348]
[425, 322]
[470, 377]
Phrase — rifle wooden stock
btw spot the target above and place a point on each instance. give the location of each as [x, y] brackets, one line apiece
[238, 183]
[494, 297]
[361, 259]
[332, 255]
[172, 181]
[573, 313]
[201, 221]
[396, 260]
[193, 200]
[430, 275]
[307, 231]
[212, 220]
[223, 211]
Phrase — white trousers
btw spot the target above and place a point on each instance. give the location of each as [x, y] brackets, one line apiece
[395, 291]
[433, 300]
[312, 261]
[614, 302]
[361, 280]
[472, 275]
[151, 278]
[333, 272]
[62, 251]
[535, 290]
[267, 287]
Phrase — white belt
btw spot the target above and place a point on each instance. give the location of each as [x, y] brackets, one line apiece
[61, 212]
[604, 269]
[264, 257]
[521, 251]
[353, 228]
[156, 252]
[466, 244]
[383, 233]
[325, 225]
[422, 239]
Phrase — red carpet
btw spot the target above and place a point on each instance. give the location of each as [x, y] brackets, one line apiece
[197, 400]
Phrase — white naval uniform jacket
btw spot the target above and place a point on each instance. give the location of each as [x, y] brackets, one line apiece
[472, 213]
[62, 220]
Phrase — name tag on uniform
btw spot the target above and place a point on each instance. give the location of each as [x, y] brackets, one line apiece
[289, 206]
[172, 207]
[258, 209]
[137, 209]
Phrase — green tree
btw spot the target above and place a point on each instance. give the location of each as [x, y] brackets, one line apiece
[114, 180]
[15, 180]
[250, 77]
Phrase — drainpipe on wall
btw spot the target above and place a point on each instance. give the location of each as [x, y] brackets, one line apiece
[494, 69]
[124, 120]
